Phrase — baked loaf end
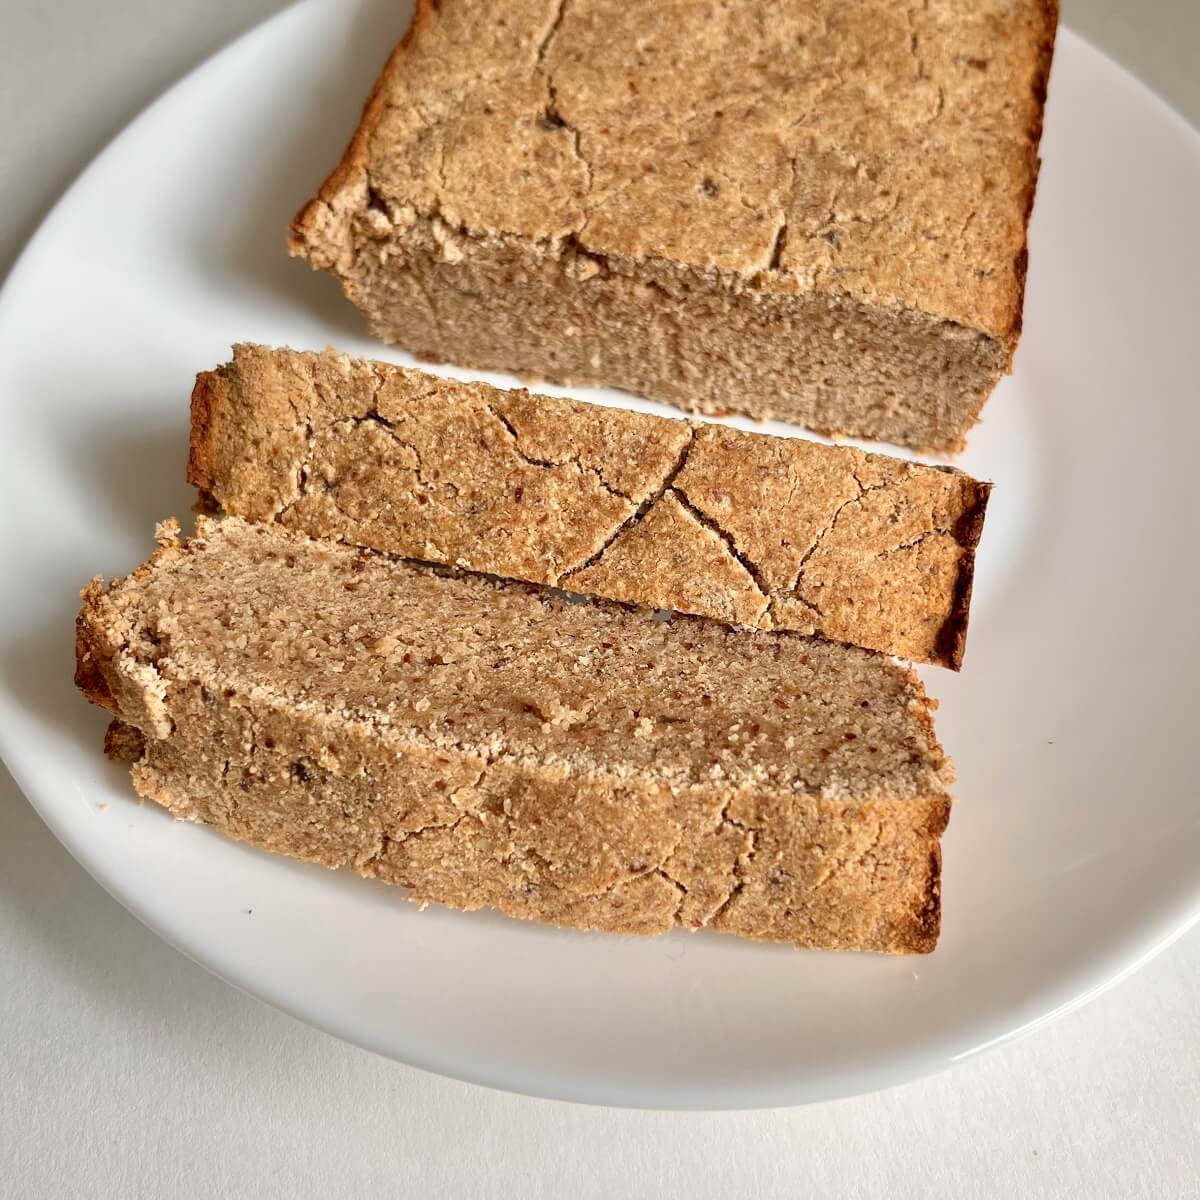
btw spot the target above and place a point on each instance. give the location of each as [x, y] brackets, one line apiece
[812, 211]
[753, 530]
[489, 744]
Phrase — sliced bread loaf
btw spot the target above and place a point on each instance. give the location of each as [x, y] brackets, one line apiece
[752, 530]
[492, 744]
[806, 209]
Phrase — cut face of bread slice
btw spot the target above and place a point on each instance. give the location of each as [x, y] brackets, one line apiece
[767, 532]
[812, 211]
[492, 744]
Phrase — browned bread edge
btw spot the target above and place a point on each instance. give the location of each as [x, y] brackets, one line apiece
[355, 156]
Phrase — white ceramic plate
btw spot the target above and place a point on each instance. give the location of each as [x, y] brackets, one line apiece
[1074, 852]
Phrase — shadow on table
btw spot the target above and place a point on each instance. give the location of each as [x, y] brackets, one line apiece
[168, 1019]
[306, 146]
[133, 478]
[113, 962]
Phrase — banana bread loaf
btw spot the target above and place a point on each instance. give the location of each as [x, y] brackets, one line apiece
[753, 530]
[807, 210]
[487, 743]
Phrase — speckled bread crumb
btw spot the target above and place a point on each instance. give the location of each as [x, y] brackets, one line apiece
[490, 744]
[807, 209]
[753, 530]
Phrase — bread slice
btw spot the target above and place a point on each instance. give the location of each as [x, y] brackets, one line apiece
[805, 209]
[492, 744]
[753, 530]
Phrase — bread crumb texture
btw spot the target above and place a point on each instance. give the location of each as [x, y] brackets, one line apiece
[493, 744]
[753, 530]
[815, 210]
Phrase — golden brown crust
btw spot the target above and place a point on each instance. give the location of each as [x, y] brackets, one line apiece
[754, 530]
[952, 637]
[1044, 55]
[89, 652]
[489, 744]
[199, 463]
[123, 742]
[930, 924]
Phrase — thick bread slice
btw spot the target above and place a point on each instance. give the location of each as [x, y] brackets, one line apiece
[805, 209]
[753, 530]
[491, 744]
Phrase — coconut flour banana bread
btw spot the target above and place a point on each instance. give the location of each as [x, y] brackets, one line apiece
[806, 209]
[753, 530]
[487, 743]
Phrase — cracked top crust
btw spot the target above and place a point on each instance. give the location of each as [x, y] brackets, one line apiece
[753, 530]
[882, 151]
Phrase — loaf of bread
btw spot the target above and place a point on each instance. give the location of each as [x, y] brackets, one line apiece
[806, 209]
[753, 530]
[487, 743]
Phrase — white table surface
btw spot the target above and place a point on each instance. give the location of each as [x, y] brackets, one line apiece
[126, 1071]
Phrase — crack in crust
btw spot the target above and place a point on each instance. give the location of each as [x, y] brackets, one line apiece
[731, 545]
[830, 525]
[550, 464]
[636, 517]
